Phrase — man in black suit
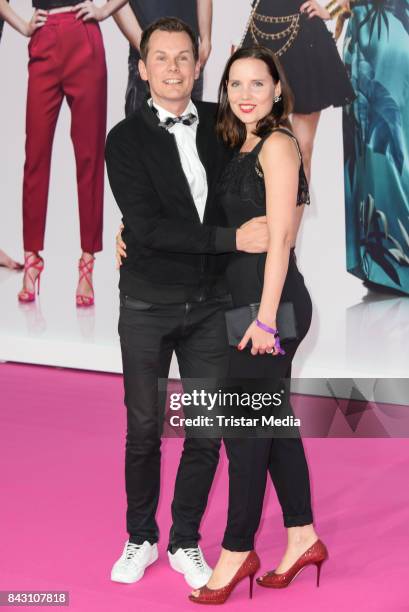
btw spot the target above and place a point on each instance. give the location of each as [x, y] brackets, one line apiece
[135, 16]
[163, 165]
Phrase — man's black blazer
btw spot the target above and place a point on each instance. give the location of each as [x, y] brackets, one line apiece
[171, 256]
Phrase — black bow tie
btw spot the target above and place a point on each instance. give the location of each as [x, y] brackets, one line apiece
[169, 122]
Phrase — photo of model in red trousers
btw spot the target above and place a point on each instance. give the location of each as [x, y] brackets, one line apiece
[66, 61]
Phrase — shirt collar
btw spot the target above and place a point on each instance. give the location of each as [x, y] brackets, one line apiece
[163, 113]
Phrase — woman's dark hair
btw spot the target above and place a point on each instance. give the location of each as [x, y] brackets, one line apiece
[167, 24]
[228, 126]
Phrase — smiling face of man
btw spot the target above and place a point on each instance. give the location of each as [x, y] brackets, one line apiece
[171, 69]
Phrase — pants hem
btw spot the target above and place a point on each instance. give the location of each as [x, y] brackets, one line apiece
[95, 249]
[238, 544]
[33, 250]
[183, 544]
[141, 539]
[299, 520]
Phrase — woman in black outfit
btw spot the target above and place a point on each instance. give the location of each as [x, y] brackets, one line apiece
[295, 31]
[264, 177]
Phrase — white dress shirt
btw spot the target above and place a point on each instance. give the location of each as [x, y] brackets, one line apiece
[185, 136]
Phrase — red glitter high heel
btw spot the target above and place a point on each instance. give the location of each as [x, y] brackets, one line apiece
[35, 262]
[85, 268]
[249, 567]
[315, 555]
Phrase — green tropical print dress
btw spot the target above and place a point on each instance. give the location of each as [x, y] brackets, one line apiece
[376, 143]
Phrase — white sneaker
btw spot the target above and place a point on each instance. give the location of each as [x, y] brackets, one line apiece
[191, 563]
[133, 562]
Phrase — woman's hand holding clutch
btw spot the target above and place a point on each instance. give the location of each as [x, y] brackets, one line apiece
[262, 342]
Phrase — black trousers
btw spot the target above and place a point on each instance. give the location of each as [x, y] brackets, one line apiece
[137, 91]
[250, 459]
[149, 334]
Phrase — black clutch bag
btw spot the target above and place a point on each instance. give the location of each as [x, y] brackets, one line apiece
[239, 319]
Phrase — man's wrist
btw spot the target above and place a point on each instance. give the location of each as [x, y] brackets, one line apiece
[238, 239]
[225, 240]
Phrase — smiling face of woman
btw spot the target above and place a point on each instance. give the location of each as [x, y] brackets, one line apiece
[251, 91]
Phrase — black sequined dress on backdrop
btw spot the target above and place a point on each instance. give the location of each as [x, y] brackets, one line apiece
[307, 51]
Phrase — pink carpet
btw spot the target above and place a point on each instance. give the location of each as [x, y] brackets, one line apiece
[62, 507]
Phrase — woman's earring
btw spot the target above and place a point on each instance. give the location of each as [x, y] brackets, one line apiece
[277, 99]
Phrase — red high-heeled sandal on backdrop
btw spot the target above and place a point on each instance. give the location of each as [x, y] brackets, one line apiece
[315, 555]
[33, 261]
[249, 567]
[85, 268]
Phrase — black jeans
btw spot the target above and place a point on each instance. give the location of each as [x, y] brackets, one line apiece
[149, 334]
[137, 91]
[251, 458]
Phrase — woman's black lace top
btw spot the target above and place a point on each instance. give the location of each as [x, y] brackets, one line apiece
[242, 196]
[243, 181]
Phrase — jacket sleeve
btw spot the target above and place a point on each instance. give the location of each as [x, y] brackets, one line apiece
[137, 199]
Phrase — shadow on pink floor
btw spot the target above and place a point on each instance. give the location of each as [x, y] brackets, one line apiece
[62, 510]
